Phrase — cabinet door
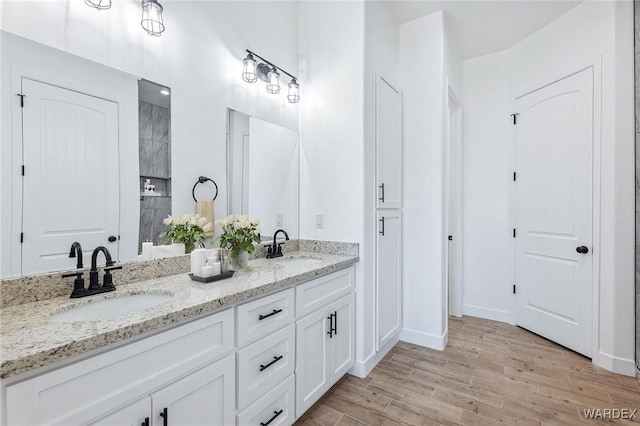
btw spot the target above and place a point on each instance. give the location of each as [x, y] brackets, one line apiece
[341, 340]
[131, 415]
[388, 277]
[312, 378]
[388, 122]
[206, 397]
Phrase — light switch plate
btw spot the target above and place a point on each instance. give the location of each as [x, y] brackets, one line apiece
[320, 221]
[279, 219]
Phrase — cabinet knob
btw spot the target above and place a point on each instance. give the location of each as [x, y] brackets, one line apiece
[582, 249]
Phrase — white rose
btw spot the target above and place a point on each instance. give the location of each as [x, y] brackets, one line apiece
[256, 221]
[208, 227]
[168, 220]
[219, 223]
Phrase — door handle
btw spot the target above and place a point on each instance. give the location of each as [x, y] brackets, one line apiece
[165, 416]
[382, 222]
[582, 249]
[146, 422]
[112, 239]
[381, 186]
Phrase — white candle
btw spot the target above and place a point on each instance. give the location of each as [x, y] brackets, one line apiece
[207, 271]
[198, 261]
[147, 250]
[216, 268]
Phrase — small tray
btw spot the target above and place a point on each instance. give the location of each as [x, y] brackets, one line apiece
[222, 276]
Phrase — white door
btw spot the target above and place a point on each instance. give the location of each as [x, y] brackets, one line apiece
[71, 180]
[388, 122]
[312, 377]
[554, 153]
[207, 397]
[388, 276]
[341, 344]
[135, 414]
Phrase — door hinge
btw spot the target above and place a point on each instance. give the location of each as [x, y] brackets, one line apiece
[514, 232]
[514, 176]
[515, 118]
[23, 170]
[514, 289]
[21, 99]
[22, 237]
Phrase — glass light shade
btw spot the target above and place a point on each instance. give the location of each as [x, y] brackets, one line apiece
[152, 17]
[294, 92]
[249, 69]
[98, 4]
[273, 86]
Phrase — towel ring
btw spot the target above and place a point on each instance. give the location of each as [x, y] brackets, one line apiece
[203, 179]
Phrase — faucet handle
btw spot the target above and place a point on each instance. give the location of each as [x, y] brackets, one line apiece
[78, 284]
[73, 274]
[112, 268]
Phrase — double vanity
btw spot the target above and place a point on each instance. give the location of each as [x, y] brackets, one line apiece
[256, 349]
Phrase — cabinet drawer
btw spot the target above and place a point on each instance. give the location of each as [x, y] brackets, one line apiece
[264, 364]
[115, 378]
[320, 292]
[263, 316]
[278, 405]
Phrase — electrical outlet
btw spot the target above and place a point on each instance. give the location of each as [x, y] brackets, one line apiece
[320, 221]
[278, 219]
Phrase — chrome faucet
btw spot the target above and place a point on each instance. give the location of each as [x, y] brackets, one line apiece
[275, 250]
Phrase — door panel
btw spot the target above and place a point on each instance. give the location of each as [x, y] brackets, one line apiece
[388, 277]
[71, 182]
[131, 415]
[206, 397]
[341, 343]
[388, 145]
[554, 211]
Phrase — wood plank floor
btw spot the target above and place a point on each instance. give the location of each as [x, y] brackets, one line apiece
[490, 373]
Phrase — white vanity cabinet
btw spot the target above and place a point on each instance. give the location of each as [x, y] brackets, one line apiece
[109, 387]
[263, 362]
[324, 337]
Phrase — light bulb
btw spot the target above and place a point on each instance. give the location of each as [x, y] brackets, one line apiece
[273, 86]
[294, 92]
[249, 69]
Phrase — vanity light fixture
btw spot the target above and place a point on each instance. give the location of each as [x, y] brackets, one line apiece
[152, 17]
[165, 92]
[268, 72]
[98, 4]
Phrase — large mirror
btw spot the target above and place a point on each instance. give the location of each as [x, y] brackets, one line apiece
[262, 173]
[97, 159]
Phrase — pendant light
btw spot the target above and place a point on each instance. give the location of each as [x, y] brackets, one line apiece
[273, 86]
[98, 4]
[294, 92]
[249, 69]
[152, 17]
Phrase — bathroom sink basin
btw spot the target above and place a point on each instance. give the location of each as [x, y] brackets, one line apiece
[111, 308]
[298, 261]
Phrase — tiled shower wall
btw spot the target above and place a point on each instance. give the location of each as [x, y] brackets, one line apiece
[637, 80]
[155, 164]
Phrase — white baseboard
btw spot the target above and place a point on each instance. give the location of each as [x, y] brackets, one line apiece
[616, 365]
[486, 313]
[424, 339]
[363, 368]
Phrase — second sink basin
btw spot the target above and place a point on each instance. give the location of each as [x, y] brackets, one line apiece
[298, 261]
[111, 308]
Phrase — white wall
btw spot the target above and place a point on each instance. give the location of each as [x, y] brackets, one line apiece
[488, 158]
[421, 74]
[331, 133]
[593, 31]
[199, 56]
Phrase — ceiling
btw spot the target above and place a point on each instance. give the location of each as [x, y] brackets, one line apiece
[482, 27]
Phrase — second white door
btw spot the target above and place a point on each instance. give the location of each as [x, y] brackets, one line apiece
[554, 211]
[388, 276]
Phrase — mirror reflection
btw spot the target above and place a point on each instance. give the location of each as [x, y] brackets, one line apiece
[262, 173]
[154, 124]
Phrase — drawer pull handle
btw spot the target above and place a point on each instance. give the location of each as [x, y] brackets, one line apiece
[146, 422]
[275, 415]
[165, 417]
[275, 359]
[275, 311]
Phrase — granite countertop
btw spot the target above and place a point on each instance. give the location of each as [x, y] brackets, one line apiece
[29, 339]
